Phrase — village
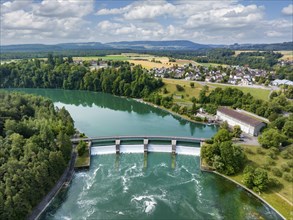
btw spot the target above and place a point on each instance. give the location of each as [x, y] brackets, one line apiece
[234, 75]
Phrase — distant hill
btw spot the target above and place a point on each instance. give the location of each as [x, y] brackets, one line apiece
[177, 45]
[158, 45]
[274, 46]
[55, 47]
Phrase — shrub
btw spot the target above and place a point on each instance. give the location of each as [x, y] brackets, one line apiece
[274, 183]
[209, 141]
[192, 84]
[196, 118]
[179, 88]
[269, 161]
[277, 172]
[288, 177]
[260, 151]
[287, 153]
[273, 152]
[249, 151]
[290, 163]
[285, 167]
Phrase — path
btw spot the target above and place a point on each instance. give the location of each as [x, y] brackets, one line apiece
[66, 177]
[283, 198]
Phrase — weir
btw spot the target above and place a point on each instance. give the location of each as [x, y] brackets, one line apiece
[143, 144]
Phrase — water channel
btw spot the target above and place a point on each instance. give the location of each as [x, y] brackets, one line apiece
[128, 190]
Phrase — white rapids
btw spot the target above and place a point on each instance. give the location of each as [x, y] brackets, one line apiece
[138, 148]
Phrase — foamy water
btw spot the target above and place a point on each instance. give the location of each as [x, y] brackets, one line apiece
[125, 189]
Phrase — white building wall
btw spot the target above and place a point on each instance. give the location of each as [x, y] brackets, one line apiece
[232, 122]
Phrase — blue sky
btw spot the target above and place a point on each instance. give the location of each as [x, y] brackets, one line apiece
[201, 21]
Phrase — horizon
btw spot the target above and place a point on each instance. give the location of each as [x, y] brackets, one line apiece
[86, 42]
[52, 22]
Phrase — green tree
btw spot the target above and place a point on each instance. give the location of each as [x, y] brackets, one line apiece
[221, 136]
[81, 148]
[179, 88]
[236, 131]
[271, 138]
[256, 179]
[288, 128]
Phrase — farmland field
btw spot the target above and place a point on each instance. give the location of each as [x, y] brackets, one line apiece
[287, 54]
[108, 57]
[146, 60]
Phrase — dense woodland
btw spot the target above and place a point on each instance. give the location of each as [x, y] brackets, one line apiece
[257, 60]
[34, 151]
[120, 79]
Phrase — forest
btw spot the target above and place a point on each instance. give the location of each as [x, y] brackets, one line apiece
[35, 149]
[255, 59]
[121, 78]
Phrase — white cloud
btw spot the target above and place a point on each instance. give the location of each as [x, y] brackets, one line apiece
[47, 20]
[64, 8]
[149, 10]
[202, 21]
[274, 34]
[288, 10]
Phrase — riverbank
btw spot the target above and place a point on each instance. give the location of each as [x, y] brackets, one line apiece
[174, 113]
[254, 194]
[276, 202]
[64, 180]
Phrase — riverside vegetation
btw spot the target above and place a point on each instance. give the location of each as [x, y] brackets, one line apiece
[34, 151]
[124, 79]
[267, 169]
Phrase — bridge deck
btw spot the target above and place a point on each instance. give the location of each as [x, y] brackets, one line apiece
[109, 138]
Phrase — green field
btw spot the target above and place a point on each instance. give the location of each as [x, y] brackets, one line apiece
[279, 196]
[108, 57]
[212, 64]
[170, 85]
[257, 93]
[188, 93]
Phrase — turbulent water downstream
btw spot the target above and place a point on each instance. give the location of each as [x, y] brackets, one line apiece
[123, 188]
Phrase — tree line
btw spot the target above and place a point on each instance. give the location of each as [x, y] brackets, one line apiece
[258, 60]
[35, 149]
[121, 78]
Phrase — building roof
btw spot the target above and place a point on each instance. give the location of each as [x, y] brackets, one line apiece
[240, 116]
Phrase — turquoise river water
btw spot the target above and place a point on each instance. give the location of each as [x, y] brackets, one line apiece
[121, 188]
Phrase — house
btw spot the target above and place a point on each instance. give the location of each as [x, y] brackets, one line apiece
[279, 82]
[247, 123]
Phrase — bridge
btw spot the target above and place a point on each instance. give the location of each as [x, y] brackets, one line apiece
[138, 138]
[143, 144]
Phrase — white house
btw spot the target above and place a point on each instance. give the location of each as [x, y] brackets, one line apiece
[279, 82]
[248, 124]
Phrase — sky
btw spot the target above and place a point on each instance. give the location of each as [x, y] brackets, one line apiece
[200, 21]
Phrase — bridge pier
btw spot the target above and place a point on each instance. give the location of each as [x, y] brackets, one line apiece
[173, 162]
[145, 160]
[201, 143]
[174, 142]
[117, 144]
[145, 145]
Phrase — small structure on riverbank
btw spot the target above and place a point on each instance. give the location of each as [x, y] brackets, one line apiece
[247, 123]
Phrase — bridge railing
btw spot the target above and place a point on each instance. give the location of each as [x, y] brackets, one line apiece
[166, 138]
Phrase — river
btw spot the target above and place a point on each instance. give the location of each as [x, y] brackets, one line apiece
[122, 188]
